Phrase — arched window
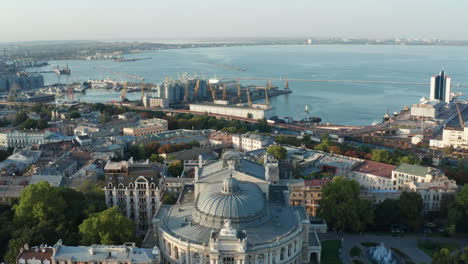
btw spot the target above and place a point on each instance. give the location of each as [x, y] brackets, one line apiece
[282, 253]
[176, 253]
[196, 258]
[289, 250]
[130, 186]
[295, 246]
[121, 186]
[152, 186]
[169, 249]
[260, 259]
[110, 185]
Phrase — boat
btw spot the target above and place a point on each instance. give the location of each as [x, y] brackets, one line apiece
[64, 71]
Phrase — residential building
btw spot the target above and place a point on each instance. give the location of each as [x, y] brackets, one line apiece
[175, 185]
[428, 109]
[22, 139]
[234, 216]
[373, 175]
[413, 173]
[134, 188]
[224, 109]
[307, 193]
[434, 193]
[455, 137]
[441, 87]
[9, 194]
[149, 101]
[84, 140]
[218, 137]
[102, 254]
[250, 141]
[146, 127]
[378, 196]
[18, 162]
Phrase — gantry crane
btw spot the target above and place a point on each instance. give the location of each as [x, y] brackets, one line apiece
[239, 91]
[224, 92]
[249, 100]
[123, 93]
[195, 90]
[267, 99]
[213, 92]
[460, 117]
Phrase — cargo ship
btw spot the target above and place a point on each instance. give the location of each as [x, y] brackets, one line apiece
[64, 71]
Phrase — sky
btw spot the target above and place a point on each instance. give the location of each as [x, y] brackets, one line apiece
[26, 20]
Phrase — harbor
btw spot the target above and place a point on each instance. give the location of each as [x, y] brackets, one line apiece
[364, 102]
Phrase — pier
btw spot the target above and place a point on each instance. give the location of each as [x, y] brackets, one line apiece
[332, 81]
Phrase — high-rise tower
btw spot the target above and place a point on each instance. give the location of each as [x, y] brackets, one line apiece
[441, 87]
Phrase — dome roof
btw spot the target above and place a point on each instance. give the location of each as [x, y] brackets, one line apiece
[230, 185]
[238, 201]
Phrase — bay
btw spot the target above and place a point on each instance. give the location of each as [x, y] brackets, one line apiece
[338, 103]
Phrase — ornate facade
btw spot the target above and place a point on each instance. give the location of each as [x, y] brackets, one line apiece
[233, 216]
[134, 189]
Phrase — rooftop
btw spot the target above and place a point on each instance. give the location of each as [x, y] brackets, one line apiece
[417, 170]
[375, 168]
[104, 252]
[316, 182]
[436, 185]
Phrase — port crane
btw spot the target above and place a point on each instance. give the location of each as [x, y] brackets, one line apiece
[213, 92]
[239, 91]
[195, 90]
[123, 93]
[460, 117]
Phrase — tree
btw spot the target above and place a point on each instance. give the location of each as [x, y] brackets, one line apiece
[458, 212]
[409, 160]
[21, 116]
[278, 152]
[94, 197]
[444, 256]
[74, 115]
[175, 168]
[108, 227]
[42, 124]
[169, 198]
[382, 155]
[156, 158]
[341, 206]
[387, 213]
[411, 205]
[325, 143]
[38, 203]
[6, 228]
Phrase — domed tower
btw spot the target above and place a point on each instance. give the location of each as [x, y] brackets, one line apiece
[243, 203]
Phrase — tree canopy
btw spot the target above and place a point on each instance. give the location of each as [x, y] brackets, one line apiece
[458, 212]
[175, 168]
[47, 213]
[278, 152]
[108, 227]
[341, 206]
[411, 206]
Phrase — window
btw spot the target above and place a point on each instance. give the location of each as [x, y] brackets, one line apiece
[228, 260]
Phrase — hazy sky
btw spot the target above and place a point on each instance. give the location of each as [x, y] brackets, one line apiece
[189, 19]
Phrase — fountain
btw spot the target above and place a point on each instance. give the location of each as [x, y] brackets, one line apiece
[381, 255]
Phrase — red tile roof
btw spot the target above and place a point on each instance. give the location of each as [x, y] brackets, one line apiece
[39, 255]
[375, 168]
[315, 182]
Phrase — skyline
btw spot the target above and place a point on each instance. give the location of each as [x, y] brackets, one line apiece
[184, 19]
